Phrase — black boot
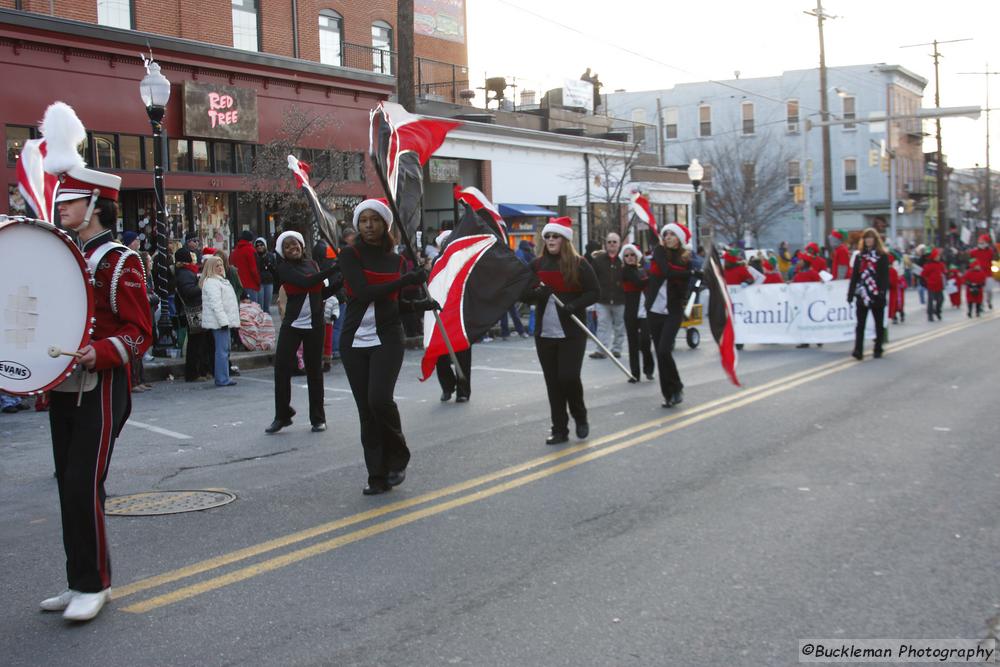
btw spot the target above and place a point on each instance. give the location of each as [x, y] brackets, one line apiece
[858, 354]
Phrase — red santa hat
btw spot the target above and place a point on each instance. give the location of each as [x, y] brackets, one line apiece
[812, 248]
[379, 205]
[838, 234]
[985, 238]
[935, 254]
[63, 132]
[680, 231]
[562, 226]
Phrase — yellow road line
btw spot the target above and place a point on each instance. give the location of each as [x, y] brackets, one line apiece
[682, 420]
[331, 526]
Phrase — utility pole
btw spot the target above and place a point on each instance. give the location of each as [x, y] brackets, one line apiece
[824, 108]
[942, 190]
[405, 91]
[988, 194]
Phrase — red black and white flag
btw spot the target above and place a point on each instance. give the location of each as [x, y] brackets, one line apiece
[476, 279]
[484, 208]
[720, 314]
[37, 186]
[326, 223]
[400, 144]
[643, 212]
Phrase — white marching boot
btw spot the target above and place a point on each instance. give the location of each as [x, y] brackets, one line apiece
[58, 602]
[85, 606]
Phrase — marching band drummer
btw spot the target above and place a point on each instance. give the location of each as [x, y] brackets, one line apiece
[83, 437]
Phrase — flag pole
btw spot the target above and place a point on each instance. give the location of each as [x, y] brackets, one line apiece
[406, 241]
[590, 334]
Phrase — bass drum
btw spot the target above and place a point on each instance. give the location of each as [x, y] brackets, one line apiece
[47, 302]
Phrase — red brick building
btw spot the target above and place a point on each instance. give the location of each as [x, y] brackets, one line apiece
[330, 59]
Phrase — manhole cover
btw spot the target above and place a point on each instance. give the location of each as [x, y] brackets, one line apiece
[152, 503]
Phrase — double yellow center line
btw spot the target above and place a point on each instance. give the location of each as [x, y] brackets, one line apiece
[524, 473]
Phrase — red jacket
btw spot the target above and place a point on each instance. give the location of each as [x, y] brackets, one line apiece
[807, 276]
[975, 280]
[984, 256]
[773, 277]
[933, 275]
[738, 275]
[841, 262]
[244, 258]
[123, 329]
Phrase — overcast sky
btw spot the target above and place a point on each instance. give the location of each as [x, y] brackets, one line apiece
[676, 42]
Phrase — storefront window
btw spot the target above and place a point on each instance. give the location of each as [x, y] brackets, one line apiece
[244, 158]
[16, 137]
[177, 214]
[129, 152]
[223, 157]
[199, 156]
[211, 219]
[15, 201]
[104, 151]
[248, 217]
[180, 155]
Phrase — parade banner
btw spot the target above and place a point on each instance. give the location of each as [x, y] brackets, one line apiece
[795, 313]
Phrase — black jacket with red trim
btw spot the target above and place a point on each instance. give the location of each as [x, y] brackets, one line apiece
[301, 279]
[123, 329]
[670, 266]
[575, 297]
[634, 281]
[375, 277]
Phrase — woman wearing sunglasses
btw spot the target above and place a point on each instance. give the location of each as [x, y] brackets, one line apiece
[559, 342]
[666, 294]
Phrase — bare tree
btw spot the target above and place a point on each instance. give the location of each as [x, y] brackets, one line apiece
[746, 188]
[611, 172]
[271, 184]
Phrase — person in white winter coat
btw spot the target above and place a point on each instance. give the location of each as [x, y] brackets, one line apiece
[220, 312]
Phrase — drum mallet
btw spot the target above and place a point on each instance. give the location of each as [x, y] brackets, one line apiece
[56, 352]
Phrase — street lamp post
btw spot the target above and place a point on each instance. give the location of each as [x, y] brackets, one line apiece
[696, 173]
[155, 92]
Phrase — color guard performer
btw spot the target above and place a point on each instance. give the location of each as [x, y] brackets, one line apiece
[83, 437]
[559, 342]
[666, 297]
[634, 279]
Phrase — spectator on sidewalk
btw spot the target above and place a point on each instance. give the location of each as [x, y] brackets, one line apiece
[244, 259]
[220, 314]
[265, 268]
[611, 305]
[197, 357]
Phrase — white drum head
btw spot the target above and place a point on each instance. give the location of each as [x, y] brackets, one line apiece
[45, 301]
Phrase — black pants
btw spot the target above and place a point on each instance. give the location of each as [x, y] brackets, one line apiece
[934, 302]
[286, 362]
[877, 309]
[372, 374]
[446, 374]
[639, 344]
[663, 330]
[562, 360]
[978, 307]
[82, 441]
[199, 359]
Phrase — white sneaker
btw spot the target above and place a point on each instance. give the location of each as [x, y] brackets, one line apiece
[85, 606]
[58, 602]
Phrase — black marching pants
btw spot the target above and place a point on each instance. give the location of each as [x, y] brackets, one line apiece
[285, 363]
[82, 441]
[372, 374]
[639, 343]
[446, 374]
[877, 309]
[562, 361]
[663, 330]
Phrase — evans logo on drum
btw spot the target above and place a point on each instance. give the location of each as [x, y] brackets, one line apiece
[14, 370]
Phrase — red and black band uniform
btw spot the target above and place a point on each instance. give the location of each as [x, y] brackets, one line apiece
[634, 280]
[303, 325]
[83, 437]
[667, 290]
[371, 350]
[561, 358]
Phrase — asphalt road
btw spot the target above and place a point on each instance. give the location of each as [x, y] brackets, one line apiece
[826, 498]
